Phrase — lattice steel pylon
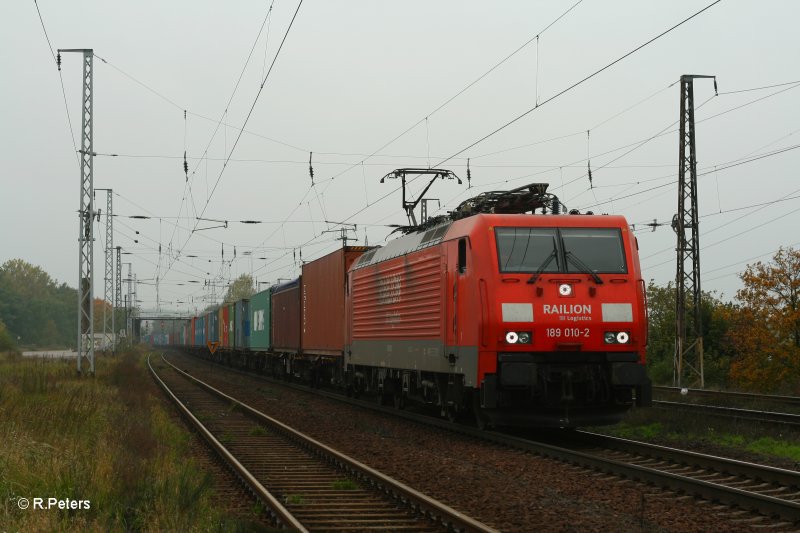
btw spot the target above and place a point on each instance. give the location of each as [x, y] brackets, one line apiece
[86, 216]
[118, 280]
[688, 333]
[108, 295]
[128, 308]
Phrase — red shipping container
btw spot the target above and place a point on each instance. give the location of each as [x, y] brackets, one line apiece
[286, 317]
[323, 311]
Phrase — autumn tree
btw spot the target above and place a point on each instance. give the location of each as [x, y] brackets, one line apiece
[767, 325]
[241, 287]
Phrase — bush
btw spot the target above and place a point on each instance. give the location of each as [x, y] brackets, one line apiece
[7, 343]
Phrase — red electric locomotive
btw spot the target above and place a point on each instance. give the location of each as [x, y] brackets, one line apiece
[523, 319]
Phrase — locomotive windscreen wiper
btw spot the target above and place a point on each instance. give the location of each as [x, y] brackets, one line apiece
[542, 267]
[584, 267]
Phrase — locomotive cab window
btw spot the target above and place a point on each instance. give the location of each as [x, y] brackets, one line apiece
[599, 249]
[462, 256]
[527, 250]
[560, 250]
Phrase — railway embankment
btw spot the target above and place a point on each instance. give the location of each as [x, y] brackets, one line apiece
[103, 453]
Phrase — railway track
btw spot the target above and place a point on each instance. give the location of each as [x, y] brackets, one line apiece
[305, 485]
[770, 417]
[734, 405]
[747, 487]
[770, 491]
[729, 395]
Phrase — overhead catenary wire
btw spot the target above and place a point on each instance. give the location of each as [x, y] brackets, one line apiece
[772, 253]
[321, 170]
[739, 234]
[57, 61]
[247, 118]
[441, 106]
[465, 89]
[188, 191]
[560, 93]
[580, 82]
[714, 169]
[635, 145]
[410, 128]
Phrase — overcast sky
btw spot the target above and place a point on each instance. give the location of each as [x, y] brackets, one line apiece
[354, 83]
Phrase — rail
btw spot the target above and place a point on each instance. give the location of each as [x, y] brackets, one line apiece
[422, 504]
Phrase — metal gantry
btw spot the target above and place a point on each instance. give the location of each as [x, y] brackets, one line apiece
[688, 318]
[108, 295]
[134, 306]
[118, 280]
[342, 231]
[129, 279]
[86, 215]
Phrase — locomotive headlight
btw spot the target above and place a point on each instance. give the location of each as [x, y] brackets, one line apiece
[565, 289]
[518, 337]
[616, 337]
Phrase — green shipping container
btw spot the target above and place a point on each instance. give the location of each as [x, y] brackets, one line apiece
[260, 315]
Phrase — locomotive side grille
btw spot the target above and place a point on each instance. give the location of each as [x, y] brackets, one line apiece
[402, 300]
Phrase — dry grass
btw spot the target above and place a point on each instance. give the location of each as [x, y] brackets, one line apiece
[105, 439]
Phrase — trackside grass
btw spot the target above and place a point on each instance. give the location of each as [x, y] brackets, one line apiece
[108, 441]
[682, 430]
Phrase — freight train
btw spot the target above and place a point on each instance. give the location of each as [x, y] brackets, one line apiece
[492, 311]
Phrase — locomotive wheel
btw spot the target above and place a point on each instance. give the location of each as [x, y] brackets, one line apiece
[452, 413]
[385, 398]
[399, 401]
[481, 420]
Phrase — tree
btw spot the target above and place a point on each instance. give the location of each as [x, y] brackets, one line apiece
[36, 308]
[661, 338]
[7, 343]
[241, 287]
[767, 324]
[101, 305]
[661, 333]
